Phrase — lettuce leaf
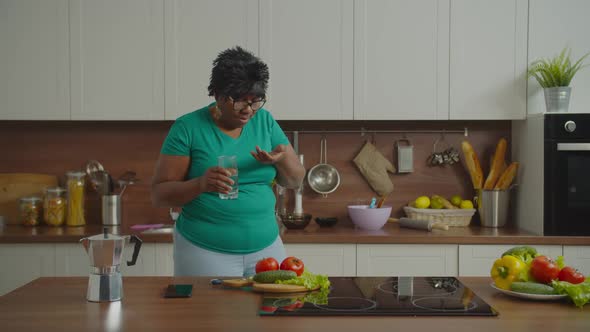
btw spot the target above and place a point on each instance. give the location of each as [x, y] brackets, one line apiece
[309, 280]
[579, 293]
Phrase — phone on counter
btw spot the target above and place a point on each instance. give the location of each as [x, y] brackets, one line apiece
[178, 290]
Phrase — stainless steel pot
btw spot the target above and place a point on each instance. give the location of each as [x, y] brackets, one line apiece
[323, 178]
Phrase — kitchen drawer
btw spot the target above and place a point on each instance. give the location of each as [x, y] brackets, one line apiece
[331, 259]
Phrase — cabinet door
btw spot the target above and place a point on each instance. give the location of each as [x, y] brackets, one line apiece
[477, 260]
[547, 39]
[488, 59]
[195, 33]
[117, 59]
[71, 260]
[164, 259]
[382, 260]
[23, 263]
[401, 59]
[34, 64]
[308, 46]
[331, 259]
[578, 257]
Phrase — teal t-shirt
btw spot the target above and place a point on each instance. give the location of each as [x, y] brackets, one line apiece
[243, 225]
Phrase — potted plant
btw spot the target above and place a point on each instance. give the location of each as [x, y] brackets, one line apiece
[554, 75]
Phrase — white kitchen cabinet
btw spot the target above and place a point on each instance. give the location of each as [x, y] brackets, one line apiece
[308, 46]
[488, 59]
[23, 263]
[195, 33]
[164, 259]
[34, 63]
[578, 257]
[477, 260]
[117, 59]
[547, 39]
[401, 60]
[406, 260]
[330, 259]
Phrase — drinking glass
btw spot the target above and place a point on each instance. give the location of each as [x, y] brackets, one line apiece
[231, 164]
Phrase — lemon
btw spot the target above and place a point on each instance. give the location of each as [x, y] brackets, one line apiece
[466, 204]
[422, 202]
[436, 204]
[456, 200]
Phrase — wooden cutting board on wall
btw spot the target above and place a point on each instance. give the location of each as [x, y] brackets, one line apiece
[13, 186]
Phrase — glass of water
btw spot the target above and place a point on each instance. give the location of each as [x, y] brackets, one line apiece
[231, 164]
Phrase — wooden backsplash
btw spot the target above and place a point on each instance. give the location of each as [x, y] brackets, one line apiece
[56, 147]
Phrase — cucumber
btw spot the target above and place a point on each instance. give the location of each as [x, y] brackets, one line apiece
[269, 277]
[532, 288]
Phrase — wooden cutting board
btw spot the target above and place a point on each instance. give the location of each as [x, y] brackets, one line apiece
[13, 186]
[278, 288]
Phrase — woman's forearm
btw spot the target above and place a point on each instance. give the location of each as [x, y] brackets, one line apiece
[175, 193]
[290, 173]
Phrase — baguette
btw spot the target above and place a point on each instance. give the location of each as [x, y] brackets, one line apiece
[497, 162]
[507, 177]
[472, 164]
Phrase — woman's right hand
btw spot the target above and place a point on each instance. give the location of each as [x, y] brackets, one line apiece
[216, 179]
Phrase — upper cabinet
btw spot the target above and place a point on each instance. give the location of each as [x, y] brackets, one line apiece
[34, 64]
[117, 59]
[488, 59]
[195, 33]
[547, 39]
[401, 59]
[308, 46]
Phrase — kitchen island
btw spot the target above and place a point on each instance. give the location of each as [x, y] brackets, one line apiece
[59, 304]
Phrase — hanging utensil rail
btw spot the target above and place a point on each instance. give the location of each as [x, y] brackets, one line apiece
[364, 131]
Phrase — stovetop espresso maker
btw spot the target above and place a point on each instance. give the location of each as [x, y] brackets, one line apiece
[105, 251]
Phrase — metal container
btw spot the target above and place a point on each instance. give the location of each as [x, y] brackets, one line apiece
[493, 207]
[557, 99]
[405, 156]
[111, 210]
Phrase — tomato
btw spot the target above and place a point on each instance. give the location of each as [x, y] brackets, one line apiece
[544, 269]
[293, 264]
[293, 306]
[571, 275]
[267, 264]
[269, 309]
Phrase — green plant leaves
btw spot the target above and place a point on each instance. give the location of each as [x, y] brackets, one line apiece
[557, 71]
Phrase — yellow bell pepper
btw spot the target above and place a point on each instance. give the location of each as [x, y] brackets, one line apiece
[506, 270]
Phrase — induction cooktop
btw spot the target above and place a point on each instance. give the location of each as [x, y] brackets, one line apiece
[382, 296]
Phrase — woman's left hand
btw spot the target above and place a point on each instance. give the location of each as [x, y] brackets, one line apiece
[272, 157]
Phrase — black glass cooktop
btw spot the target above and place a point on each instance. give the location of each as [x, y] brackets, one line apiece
[382, 296]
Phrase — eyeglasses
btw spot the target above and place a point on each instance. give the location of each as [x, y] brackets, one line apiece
[241, 105]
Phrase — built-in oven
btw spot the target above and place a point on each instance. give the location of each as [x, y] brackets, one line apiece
[567, 174]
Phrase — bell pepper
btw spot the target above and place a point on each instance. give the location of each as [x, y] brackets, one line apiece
[506, 270]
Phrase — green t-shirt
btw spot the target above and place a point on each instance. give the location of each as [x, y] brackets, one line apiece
[243, 225]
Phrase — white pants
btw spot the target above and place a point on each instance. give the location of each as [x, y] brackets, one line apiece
[192, 260]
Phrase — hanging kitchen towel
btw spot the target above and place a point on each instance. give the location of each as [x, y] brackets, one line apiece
[374, 167]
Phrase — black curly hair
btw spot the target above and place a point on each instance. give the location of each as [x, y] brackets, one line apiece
[237, 72]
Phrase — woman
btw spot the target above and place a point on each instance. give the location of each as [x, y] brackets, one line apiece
[226, 237]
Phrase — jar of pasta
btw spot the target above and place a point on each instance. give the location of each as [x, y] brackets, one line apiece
[75, 207]
[30, 210]
[54, 206]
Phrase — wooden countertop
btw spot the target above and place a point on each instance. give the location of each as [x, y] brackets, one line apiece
[390, 234]
[59, 304]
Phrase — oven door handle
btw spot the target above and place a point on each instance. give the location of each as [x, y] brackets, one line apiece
[573, 146]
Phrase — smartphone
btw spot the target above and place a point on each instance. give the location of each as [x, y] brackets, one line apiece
[178, 290]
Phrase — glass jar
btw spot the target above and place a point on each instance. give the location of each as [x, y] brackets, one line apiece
[75, 207]
[30, 210]
[54, 206]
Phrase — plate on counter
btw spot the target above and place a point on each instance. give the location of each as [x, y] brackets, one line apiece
[537, 297]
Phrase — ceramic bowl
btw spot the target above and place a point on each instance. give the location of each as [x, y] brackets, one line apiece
[293, 221]
[366, 218]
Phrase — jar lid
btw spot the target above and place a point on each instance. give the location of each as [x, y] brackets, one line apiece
[55, 190]
[30, 199]
[76, 174]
